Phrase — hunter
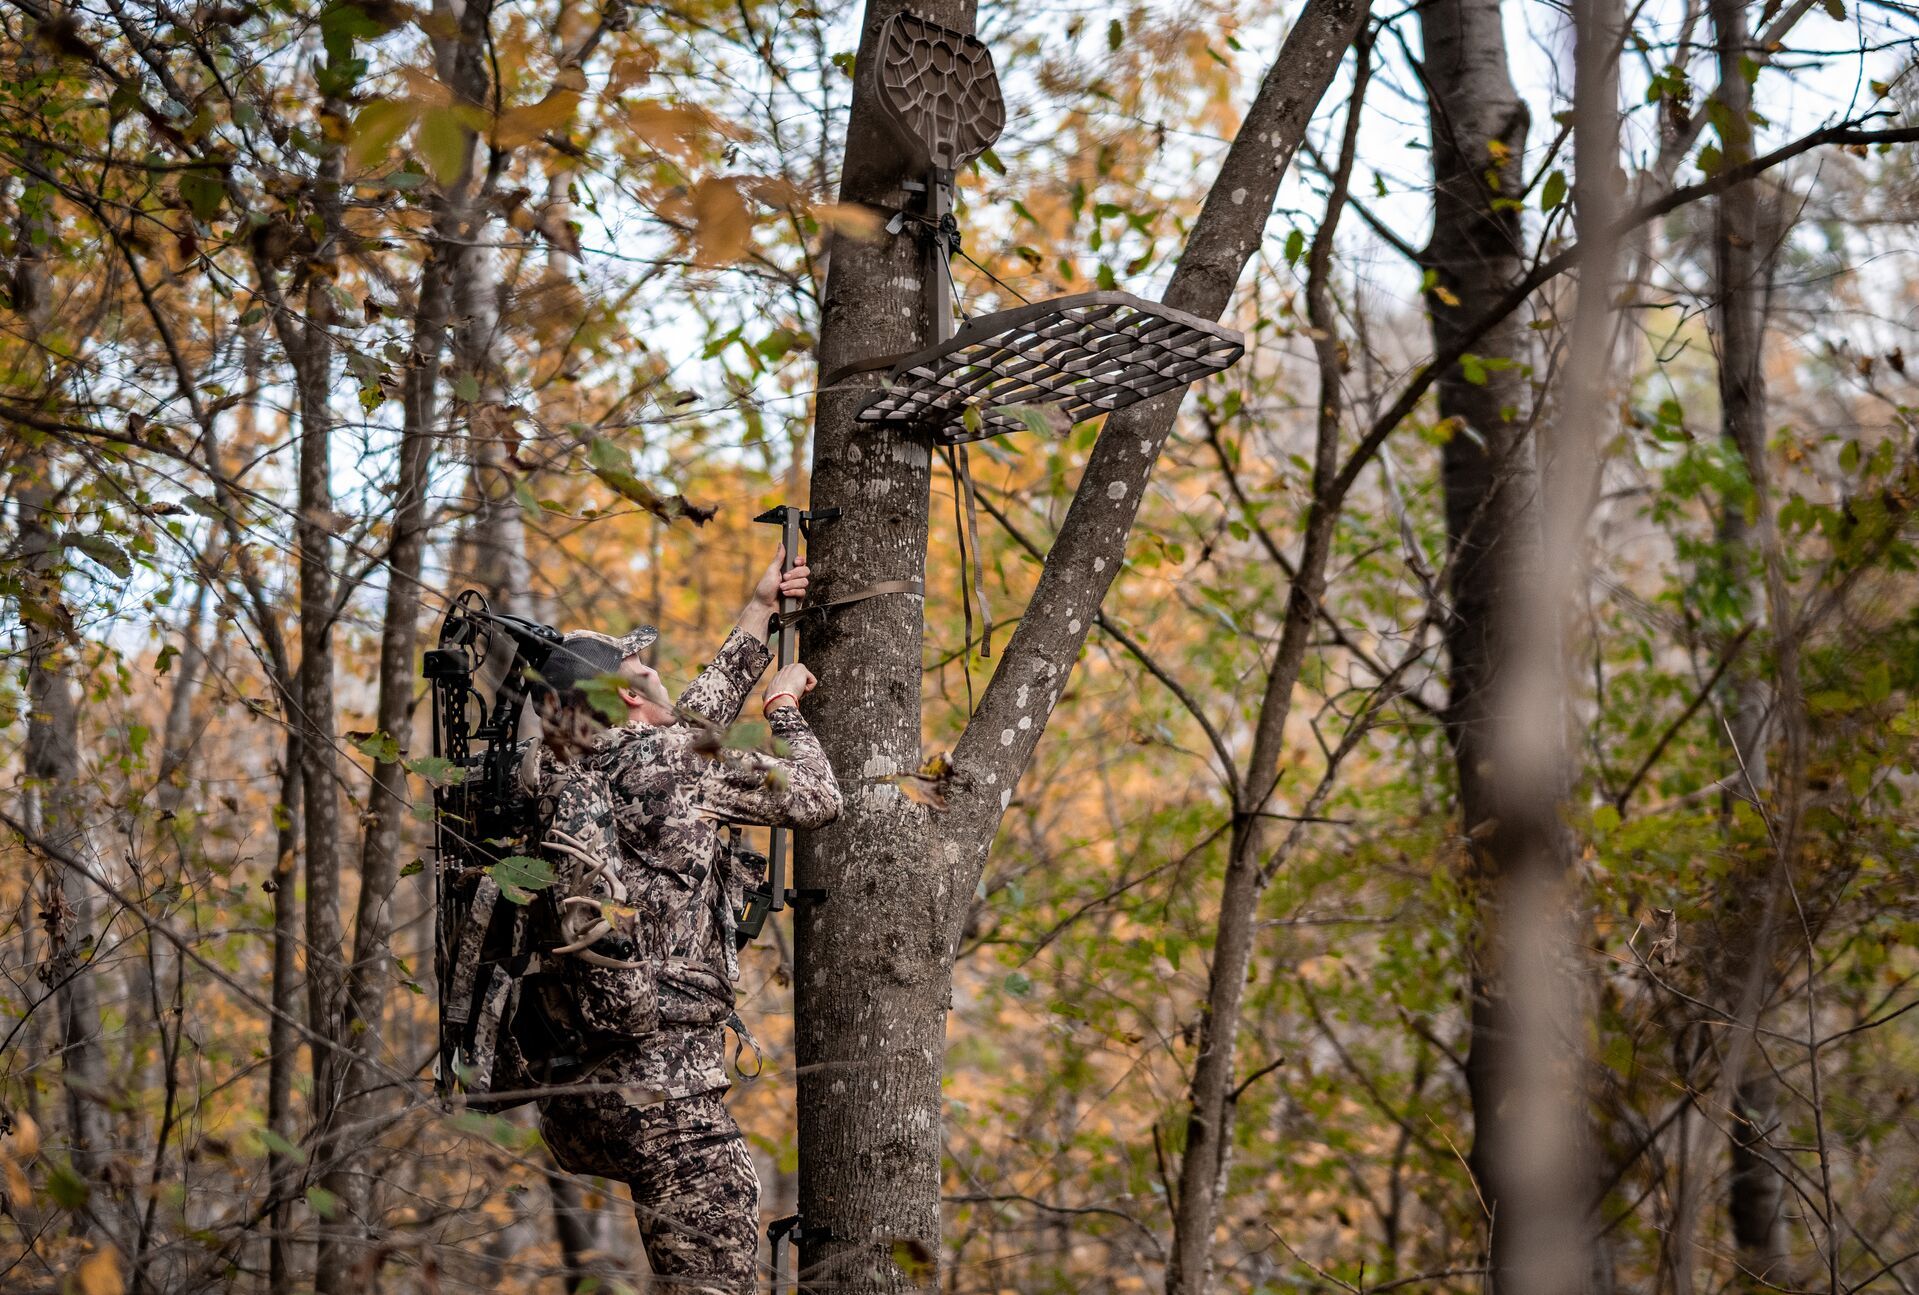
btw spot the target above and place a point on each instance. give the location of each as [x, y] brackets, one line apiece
[654, 1117]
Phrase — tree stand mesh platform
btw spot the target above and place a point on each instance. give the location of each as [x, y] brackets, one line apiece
[1082, 355]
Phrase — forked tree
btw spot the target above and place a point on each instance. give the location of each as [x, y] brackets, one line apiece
[874, 963]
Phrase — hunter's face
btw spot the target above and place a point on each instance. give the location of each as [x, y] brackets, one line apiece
[646, 697]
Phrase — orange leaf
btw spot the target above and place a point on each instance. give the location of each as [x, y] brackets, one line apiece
[678, 129]
[722, 225]
[525, 124]
[849, 218]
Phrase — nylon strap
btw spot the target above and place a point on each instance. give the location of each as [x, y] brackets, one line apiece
[915, 587]
[972, 542]
[858, 367]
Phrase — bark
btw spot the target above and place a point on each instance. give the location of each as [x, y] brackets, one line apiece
[283, 1043]
[1540, 1158]
[870, 982]
[1478, 127]
[1742, 264]
[870, 1011]
[388, 803]
[55, 810]
[308, 344]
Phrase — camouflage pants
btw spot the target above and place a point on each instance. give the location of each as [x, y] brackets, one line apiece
[694, 1188]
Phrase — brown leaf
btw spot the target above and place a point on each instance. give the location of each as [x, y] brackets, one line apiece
[722, 224]
[669, 128]
[523, 125]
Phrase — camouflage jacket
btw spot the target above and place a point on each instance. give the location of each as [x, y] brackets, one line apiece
[675, 792]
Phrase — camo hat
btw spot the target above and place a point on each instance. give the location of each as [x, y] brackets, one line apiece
[586, 654]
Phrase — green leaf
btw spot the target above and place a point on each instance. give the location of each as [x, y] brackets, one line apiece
[1108, 281]
[1115, 34]
[1553, 192]
[1037, 418]
[444, 140]
[1018, 985]
[1605, 820]
[203, 192]
[414, 868]
[603, 695]
[375, 130]
[67, 1188]
[164, 662]
[101, 550]
[1473, 369]
[437, 770]
[323, 1202]
[1836, 10]
[1295, 247]
[380, 746]
[280, 1146]
[342, 24]
[522, 873]
[1711, 159]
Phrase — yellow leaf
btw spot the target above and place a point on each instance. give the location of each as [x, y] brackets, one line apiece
[25, 1139]
[525, 124]
[99, 1275]
[849, 218]
[669, 128]
[1445, 294]
[19, 1190]
[375, 130]
[722, 225]
[425, 89]
[445, 141]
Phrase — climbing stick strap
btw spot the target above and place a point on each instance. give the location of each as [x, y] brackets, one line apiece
[914, 587]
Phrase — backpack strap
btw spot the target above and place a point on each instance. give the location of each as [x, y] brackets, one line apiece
[465, 971]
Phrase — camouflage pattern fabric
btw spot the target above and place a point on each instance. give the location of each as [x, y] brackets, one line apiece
[674, 793]
[663, 1127]
[597, 908]
[694, 1189]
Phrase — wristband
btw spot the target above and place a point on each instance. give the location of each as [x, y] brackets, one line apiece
[766, 706]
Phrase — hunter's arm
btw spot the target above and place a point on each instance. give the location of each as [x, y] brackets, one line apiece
[720, 690]
[795, 790]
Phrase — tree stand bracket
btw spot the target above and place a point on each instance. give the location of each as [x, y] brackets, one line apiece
[1082, 355]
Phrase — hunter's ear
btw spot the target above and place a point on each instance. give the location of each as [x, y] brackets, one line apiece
[630, 697]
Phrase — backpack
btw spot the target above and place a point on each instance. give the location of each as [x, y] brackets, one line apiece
[546, 957]
[513, 1017]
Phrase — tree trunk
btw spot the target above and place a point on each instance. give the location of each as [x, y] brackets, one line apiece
[283, 1043]
[870, 1011]
[54, 807]
[1478, 133]
[1742, 271]
[1210, 1099]
[56, 811]
[870, 981]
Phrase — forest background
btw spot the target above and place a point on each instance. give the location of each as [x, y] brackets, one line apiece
[1469, 849]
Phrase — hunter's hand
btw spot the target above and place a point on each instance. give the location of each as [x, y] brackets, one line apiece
[788, 686]
[775, 585]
